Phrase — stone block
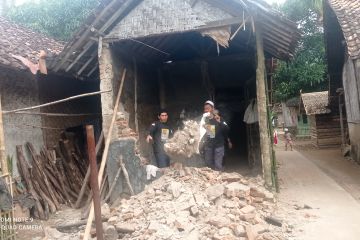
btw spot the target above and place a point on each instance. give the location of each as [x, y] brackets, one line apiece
[215, 191]
[194, 211]
[113, 220]
[174, 188]
[239, 231]
[125, 228]
[110, 232]
[231, 177]
[251, 234]
[247, 209]
[218, 221]
[105, 211]
[256, 192]
[236, 189]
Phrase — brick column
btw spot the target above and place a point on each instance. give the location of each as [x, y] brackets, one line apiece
[106, 68]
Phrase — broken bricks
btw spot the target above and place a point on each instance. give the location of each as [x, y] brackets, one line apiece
[208, 205]
[237, 189]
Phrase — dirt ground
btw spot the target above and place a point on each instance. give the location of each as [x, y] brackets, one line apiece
[319, 194]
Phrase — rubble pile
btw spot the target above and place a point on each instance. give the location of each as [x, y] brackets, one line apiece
[196, 204]
[185, 142]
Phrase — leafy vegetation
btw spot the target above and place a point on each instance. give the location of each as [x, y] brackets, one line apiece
[55, 18]
[307, 71]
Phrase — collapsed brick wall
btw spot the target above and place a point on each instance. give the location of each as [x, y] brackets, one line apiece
[18, 90]
[54, 88]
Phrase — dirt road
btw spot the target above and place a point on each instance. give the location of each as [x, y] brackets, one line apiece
[324, 186]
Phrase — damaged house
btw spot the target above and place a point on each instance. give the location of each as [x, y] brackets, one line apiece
[33, 132]
[24, 84]
[342, 41]
[177, 55]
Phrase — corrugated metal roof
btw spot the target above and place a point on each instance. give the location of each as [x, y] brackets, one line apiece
[348, 15]
[17, 40]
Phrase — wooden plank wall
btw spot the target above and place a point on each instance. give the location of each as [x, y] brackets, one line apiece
[351, 82]
[325, 130]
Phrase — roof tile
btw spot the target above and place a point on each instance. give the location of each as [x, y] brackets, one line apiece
[348, 14]
[17, 40]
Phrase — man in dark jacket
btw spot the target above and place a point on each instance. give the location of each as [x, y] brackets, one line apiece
[159, 133]
[215, 139]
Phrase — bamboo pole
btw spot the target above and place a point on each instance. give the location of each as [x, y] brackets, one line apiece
[10, 232]
[126, 176]
[262, 109]
[56, 102]
[106, 151]
[94, 181]
[113, 184]
[4, 166]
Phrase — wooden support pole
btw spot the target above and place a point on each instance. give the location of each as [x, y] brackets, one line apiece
[341, 121]
[87, 176]
[136, 95]
[106, 151]
[262, 109]
[94, 181]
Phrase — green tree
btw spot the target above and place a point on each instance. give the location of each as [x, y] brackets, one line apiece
[307, 71]
[55, 18]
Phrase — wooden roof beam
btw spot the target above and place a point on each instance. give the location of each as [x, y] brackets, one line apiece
[125, 7]
[92, 70]
[86, 48]
[85, 34]
[94, 55]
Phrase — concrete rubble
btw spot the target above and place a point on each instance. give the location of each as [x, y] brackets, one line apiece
[185, 142]
[201, 205]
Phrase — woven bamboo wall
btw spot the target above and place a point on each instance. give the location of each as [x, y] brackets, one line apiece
[18, 90]
[325, 130]
[159, 16]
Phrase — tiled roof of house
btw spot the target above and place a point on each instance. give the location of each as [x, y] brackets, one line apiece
[20, 41]
[316, 102]
[348, 14]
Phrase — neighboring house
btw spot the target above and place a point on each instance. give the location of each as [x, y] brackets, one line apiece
[290, 115]
[177, 55]
[324, 126]
[341, 25]
[20, 88]
[291, 106]
[299, 117]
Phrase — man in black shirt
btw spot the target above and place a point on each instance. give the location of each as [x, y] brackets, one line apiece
[159, 133]
[215, 139]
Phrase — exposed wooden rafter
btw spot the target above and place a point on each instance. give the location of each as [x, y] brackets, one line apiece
[125, 7]
[84, 35]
